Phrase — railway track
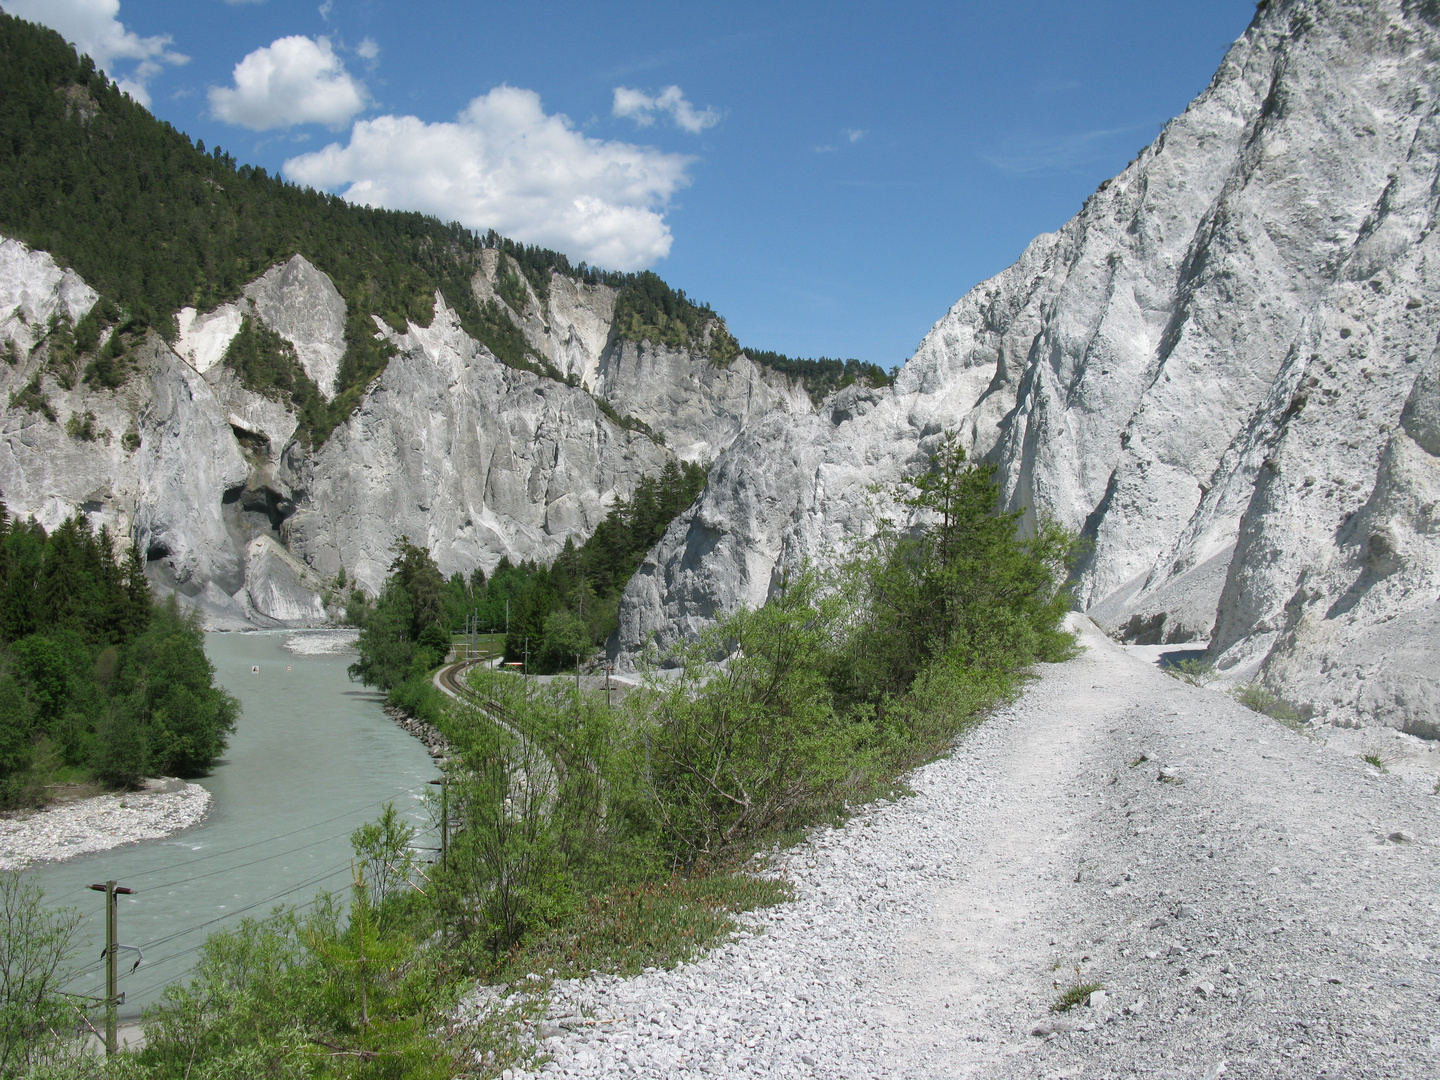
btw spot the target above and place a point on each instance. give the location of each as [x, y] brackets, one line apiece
[450, 680]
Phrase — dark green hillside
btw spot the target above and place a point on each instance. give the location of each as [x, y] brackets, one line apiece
[824, 376]
[156, 223]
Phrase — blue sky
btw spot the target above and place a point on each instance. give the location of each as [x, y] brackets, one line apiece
[830, 177]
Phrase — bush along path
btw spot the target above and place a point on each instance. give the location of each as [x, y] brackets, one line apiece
[1251, 903]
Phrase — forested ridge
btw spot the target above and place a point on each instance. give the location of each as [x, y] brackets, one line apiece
[155, 223]
[97, 681]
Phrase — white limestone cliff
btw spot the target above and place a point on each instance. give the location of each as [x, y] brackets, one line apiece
[473, 459]
[296, 300]
[1204, 371]
[698, 407]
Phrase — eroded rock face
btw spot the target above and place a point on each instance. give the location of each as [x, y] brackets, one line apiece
[32, 289]
[470, 458]
[302, 305]
[1204, 371]
[697, 406]
[294, 299]
[449, 447]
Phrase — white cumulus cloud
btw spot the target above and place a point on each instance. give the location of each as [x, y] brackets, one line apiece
[294, 80]
[92, 27]
[505, 164]
[642, 108]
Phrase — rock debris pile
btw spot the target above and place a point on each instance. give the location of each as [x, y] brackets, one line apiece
[428, 734]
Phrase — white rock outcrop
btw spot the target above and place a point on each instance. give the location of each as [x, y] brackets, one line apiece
[465, 456]
[302, 305]
[204, 339]
[473, 459]
[32, 289]
[699, 407]
[1206, 372]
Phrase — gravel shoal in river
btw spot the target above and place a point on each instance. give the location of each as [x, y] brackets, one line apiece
[1253, 902]
[64, 830]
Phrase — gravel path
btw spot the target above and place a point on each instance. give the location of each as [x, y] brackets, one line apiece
[1254, 903]
[75, 828]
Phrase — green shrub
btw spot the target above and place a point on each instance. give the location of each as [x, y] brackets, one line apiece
[32, 399]
[1195, 672]
[82, 427]
[756, 745]
[1261, 699]
[37, 946]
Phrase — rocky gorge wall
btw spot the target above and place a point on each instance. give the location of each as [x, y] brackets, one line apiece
[1222, 372]
[474, 459]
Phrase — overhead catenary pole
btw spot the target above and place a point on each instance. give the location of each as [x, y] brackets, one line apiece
[112, 892]
[444, 786]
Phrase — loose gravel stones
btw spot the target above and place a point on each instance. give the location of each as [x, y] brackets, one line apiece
[1252, 917]
[64, 830]
[428, 734]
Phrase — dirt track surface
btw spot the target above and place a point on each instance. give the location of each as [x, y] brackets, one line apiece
[1255, 904]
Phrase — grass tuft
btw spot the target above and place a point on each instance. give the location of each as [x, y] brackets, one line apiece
[1257, 698]
[1076, 994]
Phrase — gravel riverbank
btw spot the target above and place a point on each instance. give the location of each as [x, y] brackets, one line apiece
[67, 829]
[1254, 903]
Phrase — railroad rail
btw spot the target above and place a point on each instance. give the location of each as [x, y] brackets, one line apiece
[450, 681]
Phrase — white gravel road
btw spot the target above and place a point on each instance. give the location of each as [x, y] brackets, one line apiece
[1255, 904]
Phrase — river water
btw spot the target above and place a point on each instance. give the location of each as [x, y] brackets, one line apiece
[312, 758]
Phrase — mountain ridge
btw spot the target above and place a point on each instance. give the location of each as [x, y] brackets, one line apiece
[1242, 310]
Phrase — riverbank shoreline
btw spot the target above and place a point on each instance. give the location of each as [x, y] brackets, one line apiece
[165, 806]
[428, 735]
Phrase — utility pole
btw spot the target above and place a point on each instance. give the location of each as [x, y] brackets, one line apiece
[112, 893]
[444, 786]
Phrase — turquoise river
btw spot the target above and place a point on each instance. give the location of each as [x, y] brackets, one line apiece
[313, 757]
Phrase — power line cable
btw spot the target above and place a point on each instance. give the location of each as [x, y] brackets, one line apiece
[269, 839]
[140, 874]
[240, 911]
[251, 907]
[198, 947]
[246, 865]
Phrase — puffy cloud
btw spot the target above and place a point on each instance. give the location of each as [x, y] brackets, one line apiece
[294, 80]
[504, 164]
[368, 49]
[642, 108]
[92, 26]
